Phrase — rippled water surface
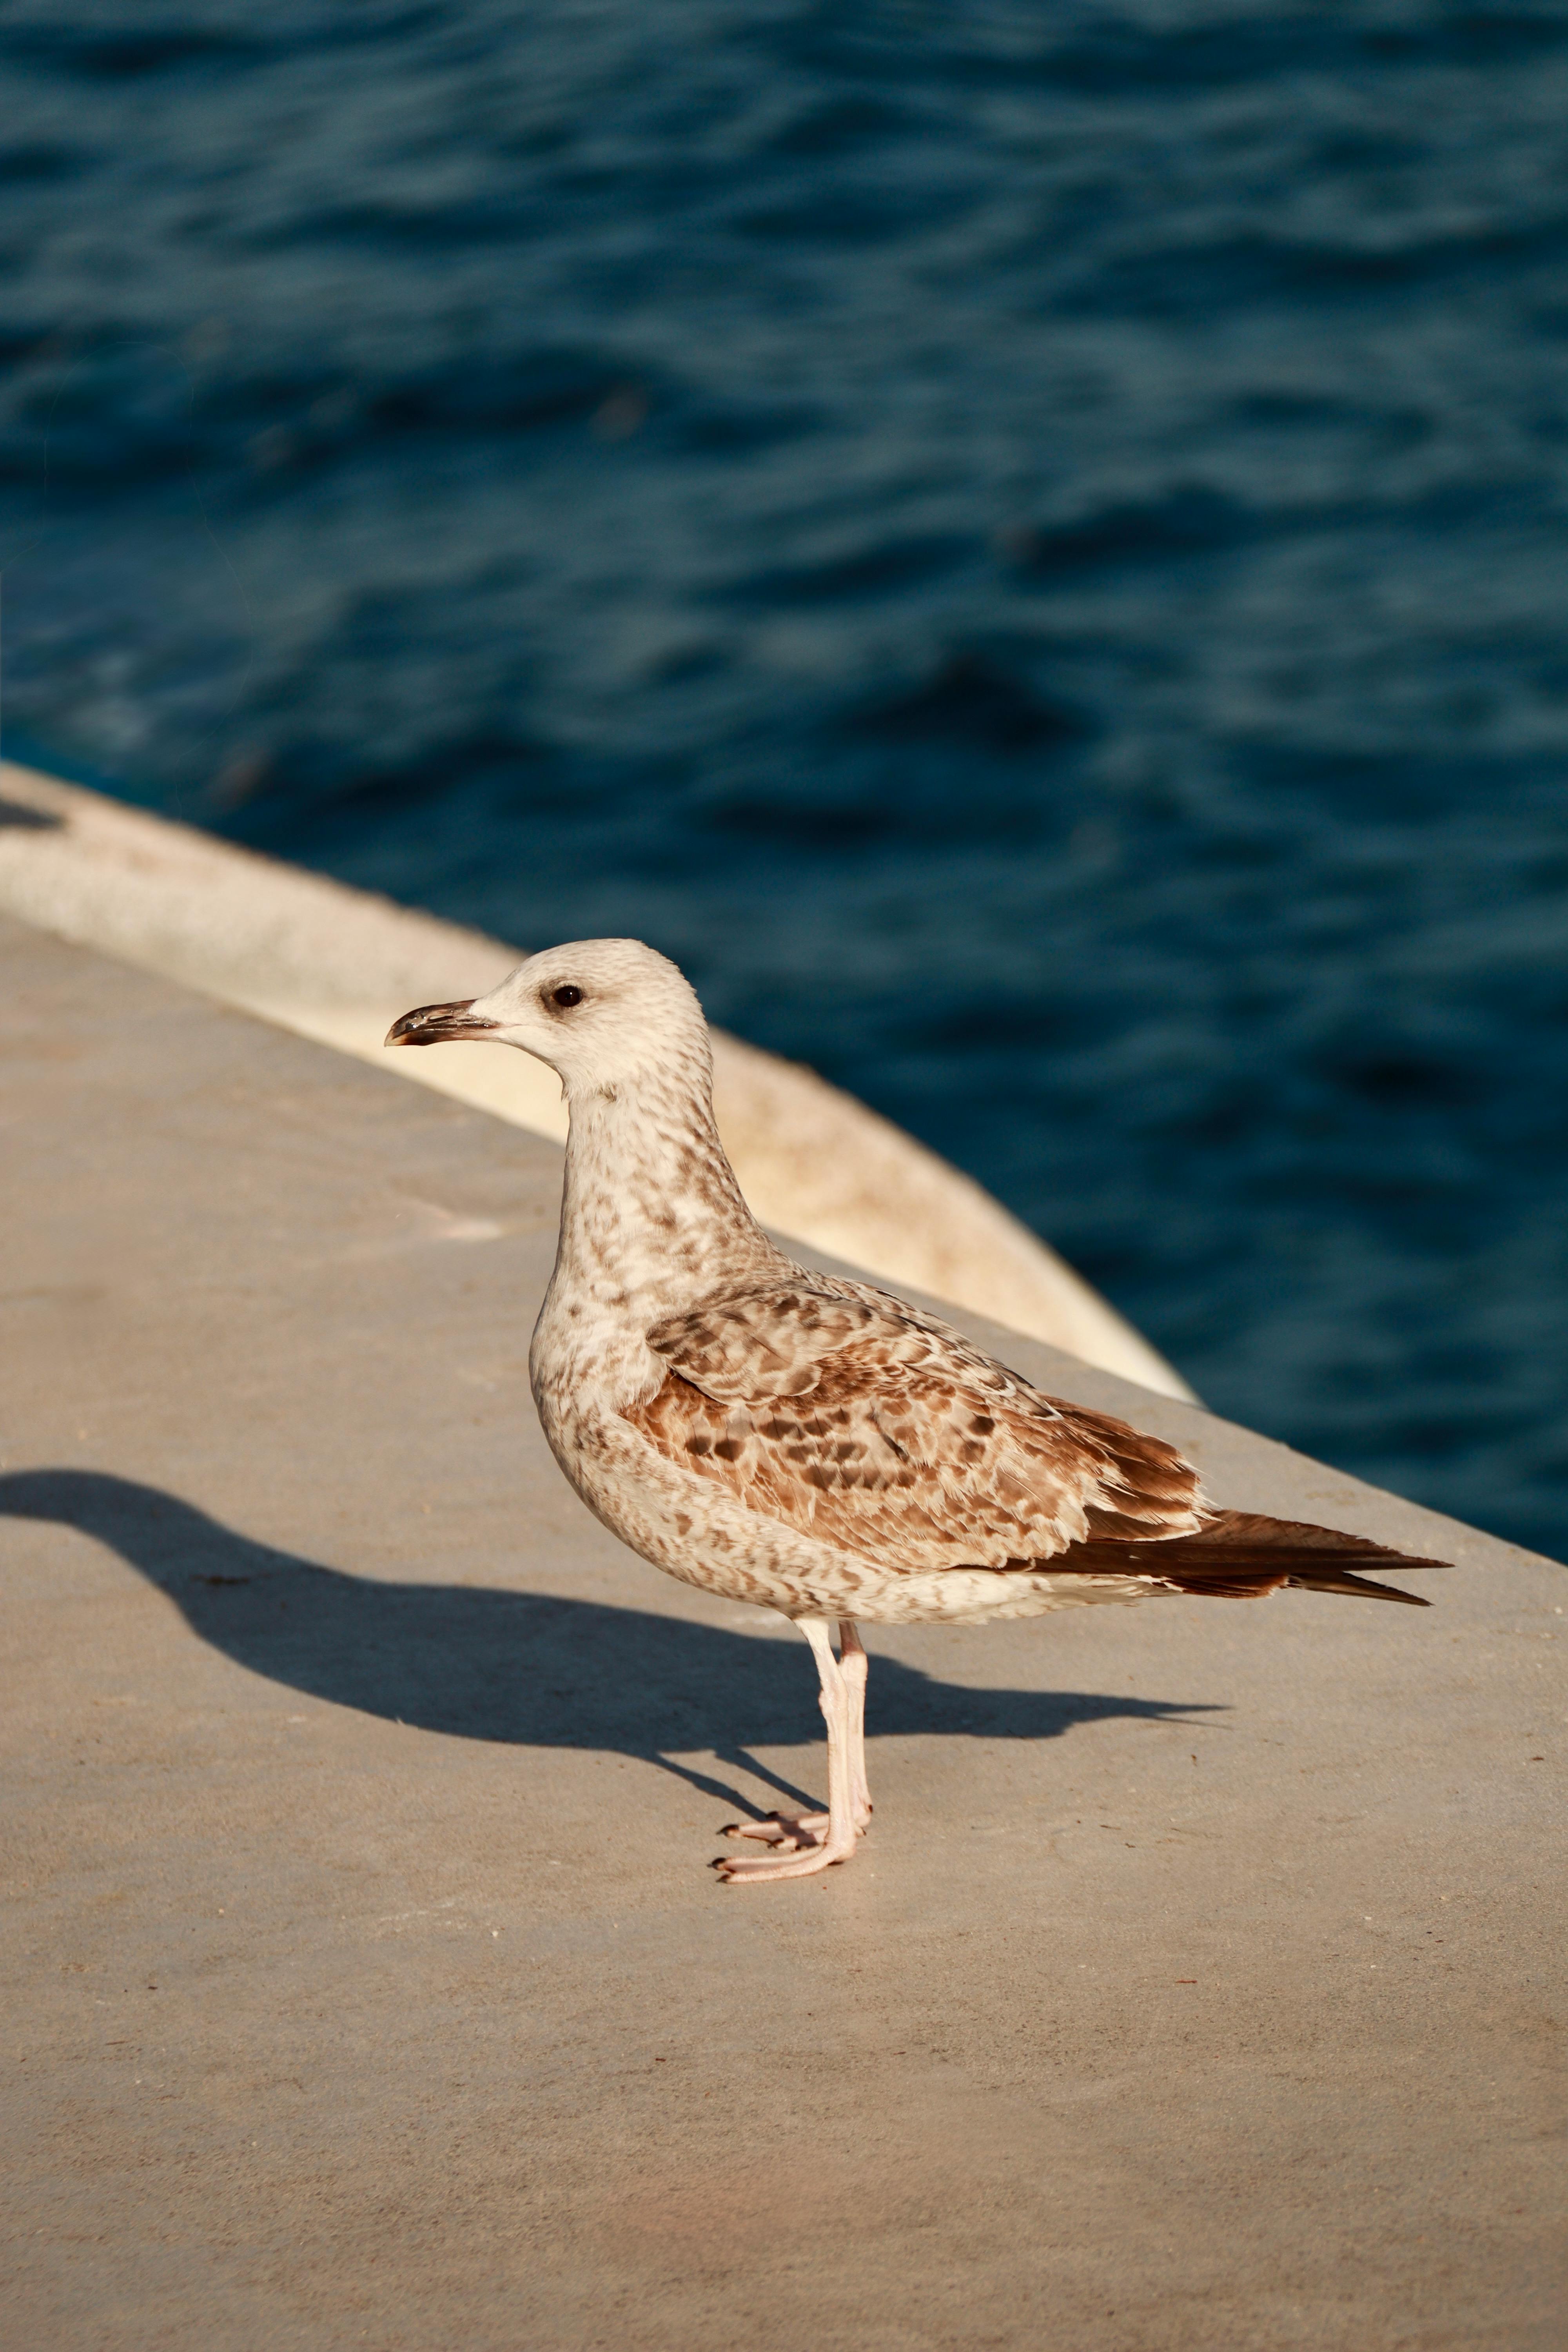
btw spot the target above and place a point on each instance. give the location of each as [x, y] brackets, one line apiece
[1024, 544]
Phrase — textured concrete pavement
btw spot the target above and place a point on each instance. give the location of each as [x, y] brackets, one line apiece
[1200, 1984]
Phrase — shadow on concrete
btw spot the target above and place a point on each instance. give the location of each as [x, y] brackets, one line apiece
[536, 1670]
[29, 820]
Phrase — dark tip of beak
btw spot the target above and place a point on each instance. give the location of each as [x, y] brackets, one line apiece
[439, 1025]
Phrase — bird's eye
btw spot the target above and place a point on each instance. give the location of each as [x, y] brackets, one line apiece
[566, 997]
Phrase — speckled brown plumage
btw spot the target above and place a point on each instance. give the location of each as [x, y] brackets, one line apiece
[875, 1428]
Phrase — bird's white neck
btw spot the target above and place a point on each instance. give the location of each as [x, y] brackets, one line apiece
[652, 1218]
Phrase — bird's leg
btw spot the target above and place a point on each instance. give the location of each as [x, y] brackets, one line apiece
[840, 1842]
[792, 1831]
[855, 1666]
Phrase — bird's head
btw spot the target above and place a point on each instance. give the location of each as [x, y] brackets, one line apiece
[601, 1013]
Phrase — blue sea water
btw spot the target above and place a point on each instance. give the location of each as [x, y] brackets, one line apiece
[1024, 543]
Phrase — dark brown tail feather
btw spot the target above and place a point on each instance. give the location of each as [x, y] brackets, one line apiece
[1241, 1555]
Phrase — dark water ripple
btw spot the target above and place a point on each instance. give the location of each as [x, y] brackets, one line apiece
[1026, 545]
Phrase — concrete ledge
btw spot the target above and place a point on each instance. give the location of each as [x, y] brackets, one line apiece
[1199, 1987]
[338, 965]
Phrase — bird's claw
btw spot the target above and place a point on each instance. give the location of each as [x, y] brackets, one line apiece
[818, 1856]
[791, 1831]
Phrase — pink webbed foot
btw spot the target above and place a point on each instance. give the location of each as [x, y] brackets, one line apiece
[794, 1831]
[737, 1872]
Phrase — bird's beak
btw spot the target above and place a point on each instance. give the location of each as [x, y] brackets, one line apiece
[440, 1024]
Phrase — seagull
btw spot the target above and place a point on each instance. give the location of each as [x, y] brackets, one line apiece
[778, 1436]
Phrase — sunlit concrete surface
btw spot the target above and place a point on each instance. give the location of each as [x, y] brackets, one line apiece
[339, 965]
[1200, 1984]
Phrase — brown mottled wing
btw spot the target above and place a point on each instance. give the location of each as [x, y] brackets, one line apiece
[837, 1410]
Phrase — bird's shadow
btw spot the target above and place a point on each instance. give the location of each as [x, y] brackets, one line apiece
[533, 1670]
[29, 820]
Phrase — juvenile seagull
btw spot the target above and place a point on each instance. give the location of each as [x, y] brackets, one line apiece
[813, 1445]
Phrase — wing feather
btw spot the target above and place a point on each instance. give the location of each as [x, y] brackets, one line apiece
[839, 1411]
